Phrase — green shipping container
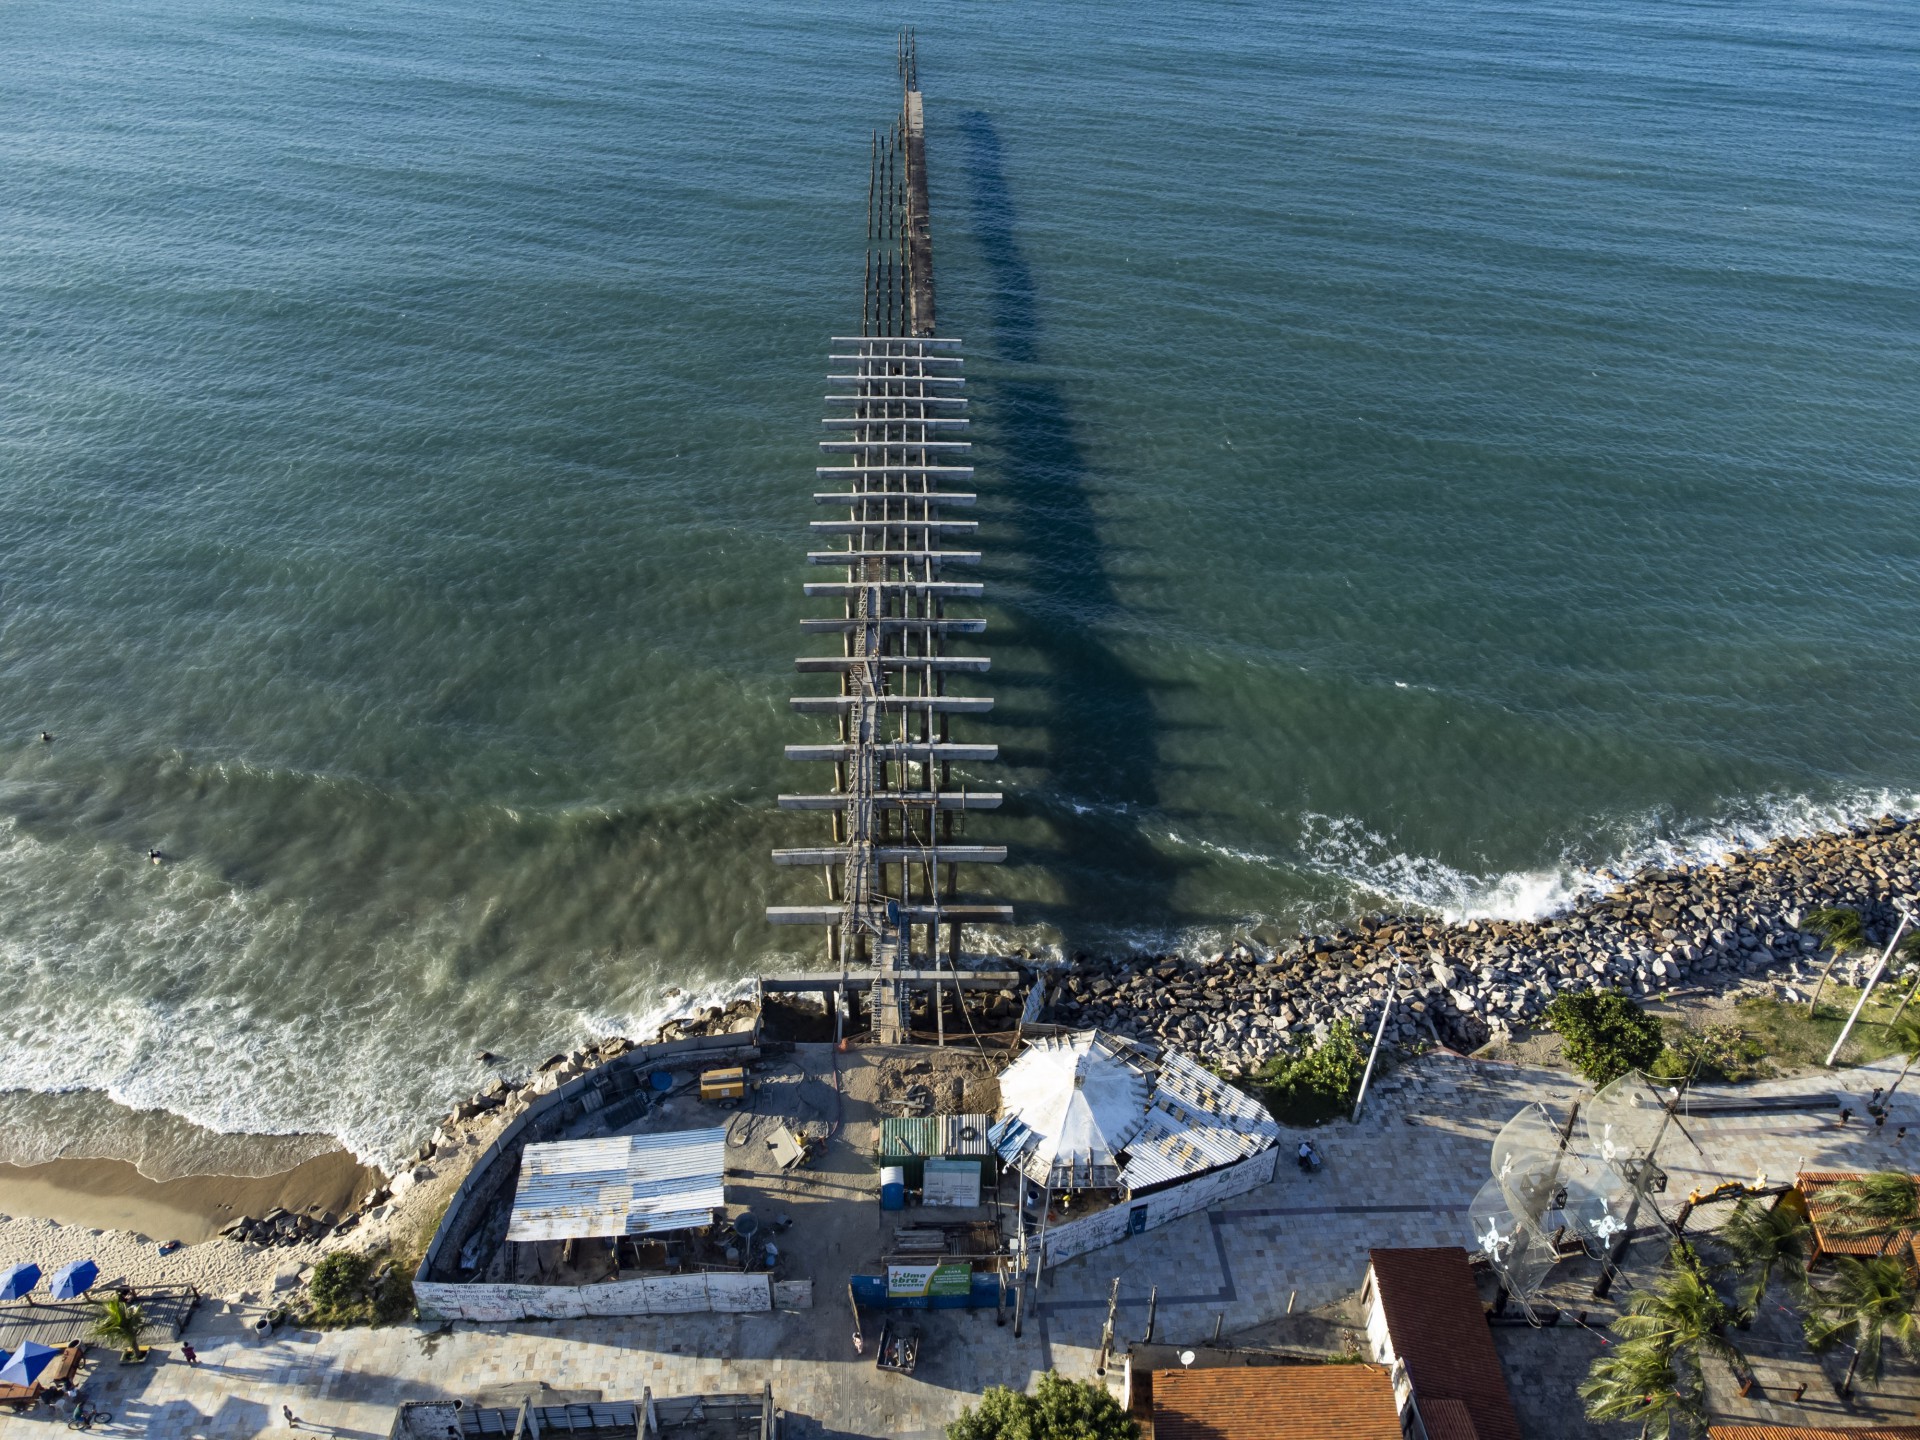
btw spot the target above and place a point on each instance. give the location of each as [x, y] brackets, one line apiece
[907, 1141]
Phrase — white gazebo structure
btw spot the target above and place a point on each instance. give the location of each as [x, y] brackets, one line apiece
[1154, 1136]
[1070, 1106]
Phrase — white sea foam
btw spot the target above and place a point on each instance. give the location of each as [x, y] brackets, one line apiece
[693, 997]
[123, 983]
[134, 1008]
[1375, 869]
[88, 1125]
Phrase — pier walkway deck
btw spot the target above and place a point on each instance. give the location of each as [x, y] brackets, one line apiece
[893, 869]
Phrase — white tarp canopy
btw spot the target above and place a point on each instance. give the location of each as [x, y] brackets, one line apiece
[1069, 1106]
[622, 1185]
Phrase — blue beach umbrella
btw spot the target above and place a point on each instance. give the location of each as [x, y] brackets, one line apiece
[73, 1279]
[27, 1363]
[17, 1280]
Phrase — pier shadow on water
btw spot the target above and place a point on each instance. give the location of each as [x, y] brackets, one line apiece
[1097, 733]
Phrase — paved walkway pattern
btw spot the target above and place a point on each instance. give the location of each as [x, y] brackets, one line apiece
[1402, 1176]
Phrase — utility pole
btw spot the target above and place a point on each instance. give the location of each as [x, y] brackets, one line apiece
[1106, 1331]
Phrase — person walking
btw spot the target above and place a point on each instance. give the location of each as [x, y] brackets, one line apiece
[188, 1354]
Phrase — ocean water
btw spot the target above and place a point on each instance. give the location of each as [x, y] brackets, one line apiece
[1429, 454]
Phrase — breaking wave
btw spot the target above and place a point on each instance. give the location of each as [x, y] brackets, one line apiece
[214, 1083]
[1374, 870]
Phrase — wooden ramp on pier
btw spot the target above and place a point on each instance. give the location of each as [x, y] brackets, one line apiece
[899, 470]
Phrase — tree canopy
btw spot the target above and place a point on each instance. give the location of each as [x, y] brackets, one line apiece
[1606, 1034]
[1867, 1302]
[1056, 1410]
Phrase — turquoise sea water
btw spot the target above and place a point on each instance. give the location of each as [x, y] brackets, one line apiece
[1429, 453]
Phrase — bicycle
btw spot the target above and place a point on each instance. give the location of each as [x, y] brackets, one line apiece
[88, 1416]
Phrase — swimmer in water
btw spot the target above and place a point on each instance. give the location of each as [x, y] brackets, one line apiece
[155, 856]
[46, 737]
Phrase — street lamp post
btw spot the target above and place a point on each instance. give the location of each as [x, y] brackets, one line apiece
[1386, 1010]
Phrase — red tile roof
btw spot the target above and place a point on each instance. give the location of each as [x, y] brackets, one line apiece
[1275, 1402]
[1447, 1420]
[1439, 1330]
[1837, 1239]
[1813, 1432]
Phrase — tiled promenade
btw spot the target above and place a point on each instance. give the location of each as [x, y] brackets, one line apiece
[1403, 1176]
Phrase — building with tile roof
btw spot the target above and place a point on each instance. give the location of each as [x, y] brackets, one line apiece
[1276, 1402]
[1427, 1324]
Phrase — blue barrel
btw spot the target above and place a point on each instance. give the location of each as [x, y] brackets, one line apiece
[661, 1080]
[893, 1187]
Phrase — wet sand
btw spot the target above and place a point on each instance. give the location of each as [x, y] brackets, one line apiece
[112, 1195]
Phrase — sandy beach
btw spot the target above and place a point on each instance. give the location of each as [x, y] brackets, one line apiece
[106, 1211]
[113, 1195]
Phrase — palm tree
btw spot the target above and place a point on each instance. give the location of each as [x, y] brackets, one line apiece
[119, 1322]
[1636, 1382]
[1868, 1301]
[1909, 953]
[1841, 930]
[1682, 1315]
[1905, 1035]
[1762, 1239]
[1882, 1203]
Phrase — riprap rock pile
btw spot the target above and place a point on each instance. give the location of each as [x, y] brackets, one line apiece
[1718, 926]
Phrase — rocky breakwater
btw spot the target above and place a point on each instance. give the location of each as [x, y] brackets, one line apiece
[1729, 925]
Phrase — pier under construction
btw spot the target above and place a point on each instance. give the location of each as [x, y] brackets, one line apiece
[899, 474]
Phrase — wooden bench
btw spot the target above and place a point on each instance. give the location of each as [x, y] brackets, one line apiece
[60, 1373]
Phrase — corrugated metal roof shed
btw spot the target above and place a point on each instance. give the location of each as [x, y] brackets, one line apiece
[907, 1141]
[922, 1137]
[964, 1135]
[1196, 1122]
[622, 1185]
[910, 1135]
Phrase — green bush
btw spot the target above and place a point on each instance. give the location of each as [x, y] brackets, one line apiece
[1713, 1052]
[393, 1295]
[1606, 1034]
[1317, 1083]
[351, 1287]
[340, 1279]
[1057, 1410]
